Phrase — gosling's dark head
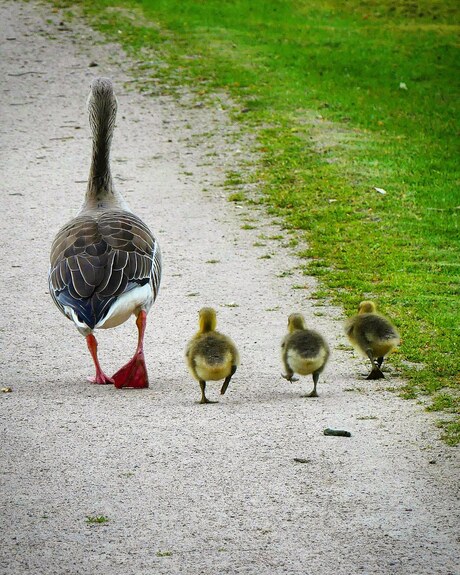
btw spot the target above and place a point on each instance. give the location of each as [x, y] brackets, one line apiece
[296, 321]
[207, 319]
[367, 307]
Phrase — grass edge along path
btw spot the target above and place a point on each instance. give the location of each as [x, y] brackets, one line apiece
[354, 114]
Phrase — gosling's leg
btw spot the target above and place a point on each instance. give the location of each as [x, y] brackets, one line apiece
[289, 375]
[380, 361]
[204, 399]
[227, 380]
[376, 373]
[314, 393]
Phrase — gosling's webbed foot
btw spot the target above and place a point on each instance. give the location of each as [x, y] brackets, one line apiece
[205, 400]
[311, 394]
[290, 378]
[375, 374]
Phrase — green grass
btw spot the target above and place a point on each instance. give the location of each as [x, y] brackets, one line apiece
[96, 519]
[164, 554]
[344, 97]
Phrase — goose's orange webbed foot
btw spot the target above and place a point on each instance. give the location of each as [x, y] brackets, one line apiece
[100, 377]
[133, 374]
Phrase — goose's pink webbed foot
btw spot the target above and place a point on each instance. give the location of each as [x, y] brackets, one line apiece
[100, 377]
[134, 373]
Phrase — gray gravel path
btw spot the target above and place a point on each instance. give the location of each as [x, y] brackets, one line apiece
[187, 489]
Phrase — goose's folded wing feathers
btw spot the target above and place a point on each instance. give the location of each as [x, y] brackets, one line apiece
[94, 260]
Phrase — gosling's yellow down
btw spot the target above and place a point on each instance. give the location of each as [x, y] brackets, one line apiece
[372, 335]
[303, 351]
[210, 354]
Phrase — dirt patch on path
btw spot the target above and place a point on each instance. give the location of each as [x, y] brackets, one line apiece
[246, 486]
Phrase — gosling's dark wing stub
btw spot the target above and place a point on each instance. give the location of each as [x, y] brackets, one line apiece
[378, 326]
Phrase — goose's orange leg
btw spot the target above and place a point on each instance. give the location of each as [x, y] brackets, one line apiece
[134, 373]
[100, 375]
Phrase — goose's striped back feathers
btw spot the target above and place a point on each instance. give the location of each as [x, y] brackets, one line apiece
[95, 259]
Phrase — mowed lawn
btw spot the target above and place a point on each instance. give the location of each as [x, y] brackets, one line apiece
[355, 107]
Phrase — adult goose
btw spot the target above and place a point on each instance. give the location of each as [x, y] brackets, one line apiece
[105, 263]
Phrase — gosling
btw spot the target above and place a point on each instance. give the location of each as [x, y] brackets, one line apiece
[211, 355]
[372, 335]
[303, 351]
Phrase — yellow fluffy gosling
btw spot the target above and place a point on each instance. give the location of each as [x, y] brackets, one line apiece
[211, 355]
[372, 335]
[303, 351]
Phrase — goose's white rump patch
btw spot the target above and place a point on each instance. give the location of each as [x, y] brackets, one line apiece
[126, 305]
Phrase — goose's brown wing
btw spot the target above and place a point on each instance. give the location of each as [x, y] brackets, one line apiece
[94, 259]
